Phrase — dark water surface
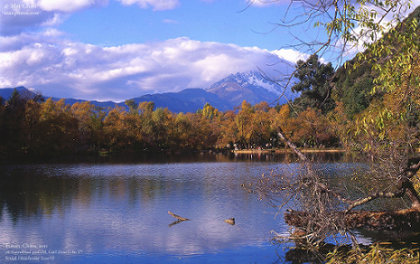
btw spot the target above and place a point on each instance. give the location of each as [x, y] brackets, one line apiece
[117, 212]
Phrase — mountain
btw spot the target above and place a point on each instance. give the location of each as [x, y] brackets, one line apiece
[188, 100]
[224, 95]
[6, 93]
[24, 92]
[250, 86]
[103, 104]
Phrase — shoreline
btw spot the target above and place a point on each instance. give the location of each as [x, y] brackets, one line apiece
[266, 151]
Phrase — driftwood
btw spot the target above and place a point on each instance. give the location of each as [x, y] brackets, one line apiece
[179, 218]
[230, 221]
[407, 219]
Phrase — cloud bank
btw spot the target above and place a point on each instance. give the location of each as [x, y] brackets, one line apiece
[55, 66]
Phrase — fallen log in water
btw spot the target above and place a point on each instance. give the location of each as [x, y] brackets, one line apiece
[407, 219]
[230, 221]
[180, 218]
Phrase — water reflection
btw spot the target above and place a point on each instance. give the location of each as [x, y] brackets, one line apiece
[292, 157]
[208, 156]
[123, 208]
[103, 211]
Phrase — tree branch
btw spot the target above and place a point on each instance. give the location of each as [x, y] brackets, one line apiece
[405, 186]
[374, 196]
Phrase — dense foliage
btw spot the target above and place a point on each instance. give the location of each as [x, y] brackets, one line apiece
[36, 128]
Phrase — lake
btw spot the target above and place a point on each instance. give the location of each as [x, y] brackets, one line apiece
[117, 212]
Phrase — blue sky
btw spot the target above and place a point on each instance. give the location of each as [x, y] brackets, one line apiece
[119, 49]
[227, 21]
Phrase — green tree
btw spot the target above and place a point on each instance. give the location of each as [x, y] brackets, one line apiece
[314, 84]
[12, 134]
[353, 88]
[209, 111]
[132, 105]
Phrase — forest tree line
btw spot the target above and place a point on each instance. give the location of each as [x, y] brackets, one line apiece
[31, 127]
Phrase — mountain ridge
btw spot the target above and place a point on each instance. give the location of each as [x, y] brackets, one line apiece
[224, 94]
[252, 86]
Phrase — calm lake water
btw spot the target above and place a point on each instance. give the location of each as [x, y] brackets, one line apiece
[118, 212]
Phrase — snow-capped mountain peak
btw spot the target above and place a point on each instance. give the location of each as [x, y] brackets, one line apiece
[252, 86]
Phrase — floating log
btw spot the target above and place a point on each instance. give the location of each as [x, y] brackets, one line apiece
[180, 218]
[230, 221]
[407, 219]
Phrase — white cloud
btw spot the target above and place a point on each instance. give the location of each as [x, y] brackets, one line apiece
[155, 4]
[291, 55]
[170, 21]
[57, 67]
[264, 3]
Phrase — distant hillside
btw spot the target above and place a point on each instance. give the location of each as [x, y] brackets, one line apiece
[6, 93]
[105, 104]
[188, 100]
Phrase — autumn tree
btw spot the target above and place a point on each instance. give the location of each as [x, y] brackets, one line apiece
[132, 105]
[261, 125]
[243, 123]
[58, 127]
[90, 125]
[209, 111]
[162, 122]
[182, 130]
[229, 132]
[116, 134]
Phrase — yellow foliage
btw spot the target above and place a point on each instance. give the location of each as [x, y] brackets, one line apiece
[416, 181]
[376, 254]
